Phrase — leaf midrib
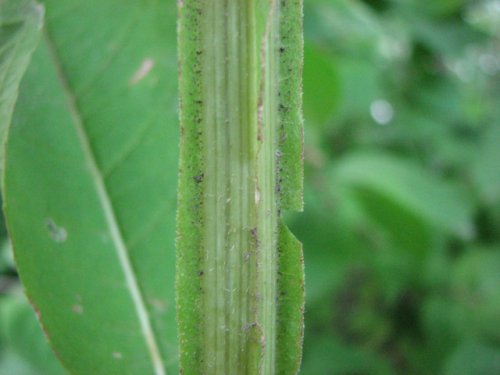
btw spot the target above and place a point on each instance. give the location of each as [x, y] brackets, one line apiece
[108, 211]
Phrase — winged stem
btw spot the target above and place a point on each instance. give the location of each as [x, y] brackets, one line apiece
[233, 181]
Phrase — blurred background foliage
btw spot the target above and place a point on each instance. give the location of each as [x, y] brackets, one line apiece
[402, 222]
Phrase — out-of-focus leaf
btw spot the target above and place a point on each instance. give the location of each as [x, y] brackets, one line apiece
[471, 307]
[410, 227]
[400, 239]
[20, 25]
[486, 168]
[360, 86]
[473, 358]
[326, 258]
[474, 288]
[350, 24]
[327, 229]
[24, 336]
[434, 8]
[442, 101]
[6, 257]
[438, 202]
[90, 180]
[12, 364]
[484, 15]
[329, 356]
[438, 319]
[321, 86]
[444, 37]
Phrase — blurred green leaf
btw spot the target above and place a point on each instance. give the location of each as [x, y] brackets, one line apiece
[438, 317]
[419, 216]
[433, 8]
[24, 336]
[324, 263]
[321, 86]
[13, 364]
[475, 281]
[349, 24]
[404, 182]
[6, 257]
[360, 86]
[473, 358]
[20, 24]
[400, 239]
[329, 356]
[486, 171]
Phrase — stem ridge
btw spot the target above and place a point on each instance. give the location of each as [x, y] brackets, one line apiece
[229, 218]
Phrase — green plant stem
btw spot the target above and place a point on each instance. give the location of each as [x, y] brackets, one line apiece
[237, 232]
[230, 183]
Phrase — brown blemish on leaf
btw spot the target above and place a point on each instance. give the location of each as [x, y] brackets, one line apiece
[77, 309]
[57, 233]
[146, 66]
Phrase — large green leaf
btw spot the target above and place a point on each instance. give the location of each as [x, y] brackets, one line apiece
[20, 25]
[91, 166]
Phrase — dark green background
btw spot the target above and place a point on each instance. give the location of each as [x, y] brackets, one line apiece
[401, 228]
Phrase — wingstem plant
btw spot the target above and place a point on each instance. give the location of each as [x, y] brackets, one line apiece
[239, 271]
[240, 277]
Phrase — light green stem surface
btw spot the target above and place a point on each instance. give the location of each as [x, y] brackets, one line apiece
[233, 140]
